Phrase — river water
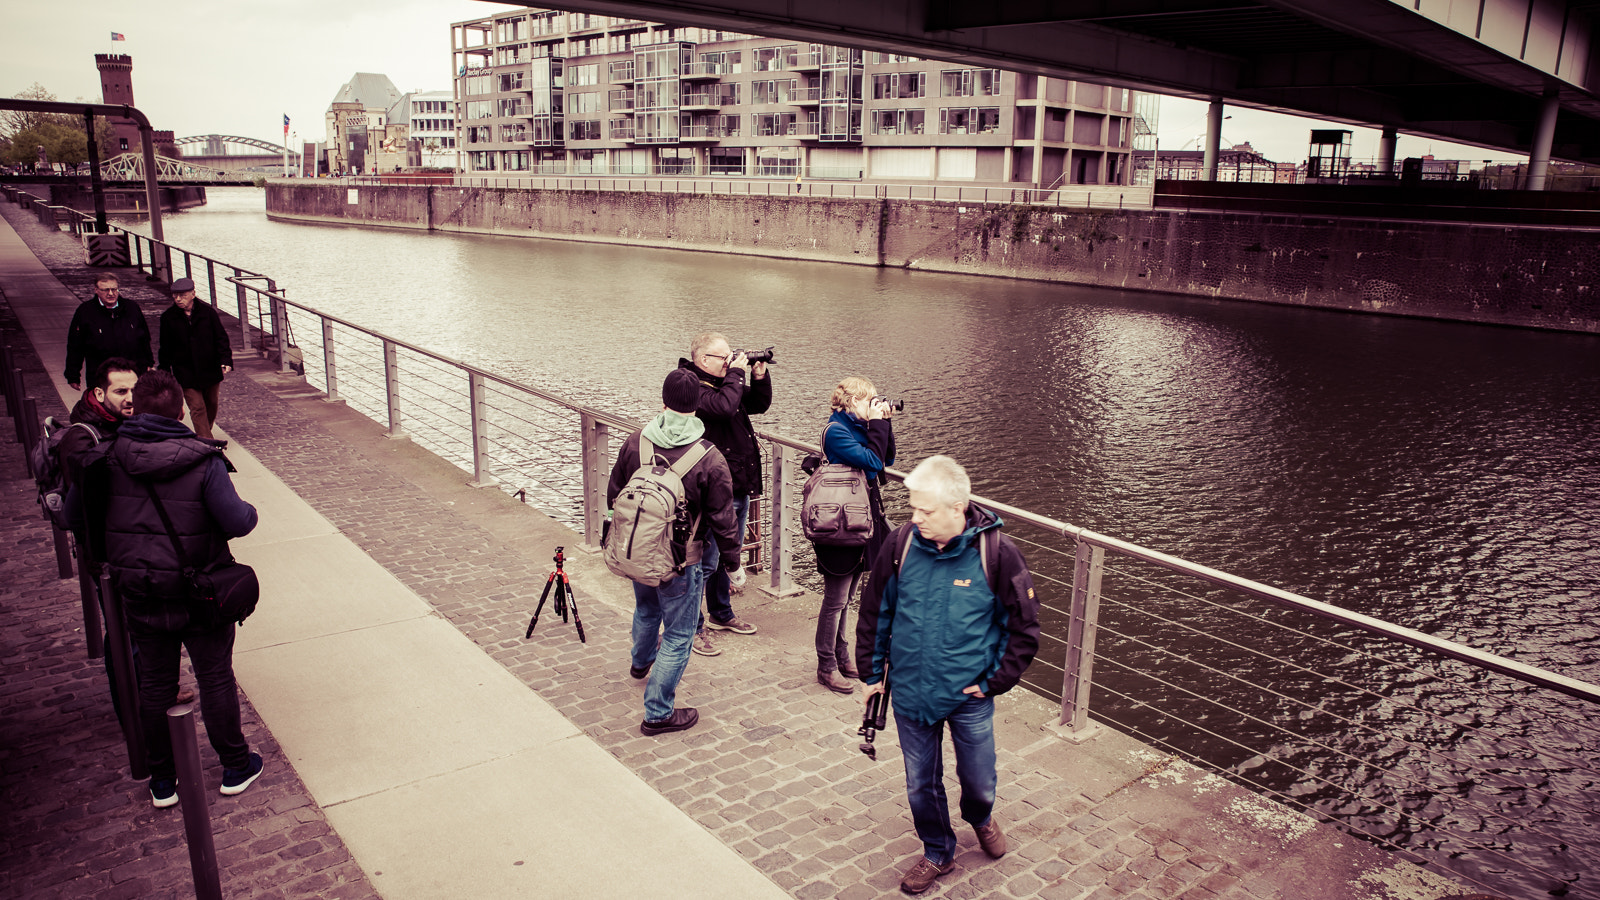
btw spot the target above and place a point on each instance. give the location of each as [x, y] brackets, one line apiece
[1441, 476]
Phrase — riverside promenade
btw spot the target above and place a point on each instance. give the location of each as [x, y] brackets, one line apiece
[417, 746]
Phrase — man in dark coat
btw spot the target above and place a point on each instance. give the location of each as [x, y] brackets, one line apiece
[154, 452]
[726, 404]
[109, 325]
[195, 349]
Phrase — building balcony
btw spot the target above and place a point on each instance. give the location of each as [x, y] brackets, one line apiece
[622, 133]
[702, 71]
[701, 100]
[615, 103]
[805, 62]
[805, 96]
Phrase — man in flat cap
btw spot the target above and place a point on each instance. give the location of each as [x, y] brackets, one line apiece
[195, 349]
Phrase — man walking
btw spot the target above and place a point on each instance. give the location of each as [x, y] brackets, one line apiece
[952, 619]
[726, 404]
[155, 456]
[106, 326]
[195, 349]
[664, 616]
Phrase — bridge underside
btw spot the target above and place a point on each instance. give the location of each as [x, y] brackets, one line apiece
[1362, 62]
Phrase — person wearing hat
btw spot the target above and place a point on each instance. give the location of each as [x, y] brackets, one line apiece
[672, 610]
[195, 349]
[108, 325]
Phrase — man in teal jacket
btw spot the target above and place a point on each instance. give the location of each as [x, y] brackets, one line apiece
[951, 617]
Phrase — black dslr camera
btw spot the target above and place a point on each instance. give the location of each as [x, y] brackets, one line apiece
[896, 405]
[755, 356]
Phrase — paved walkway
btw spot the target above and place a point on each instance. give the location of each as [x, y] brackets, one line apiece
[417, 746]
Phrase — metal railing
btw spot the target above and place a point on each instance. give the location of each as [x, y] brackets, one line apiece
[830, 182]
[1464, 761]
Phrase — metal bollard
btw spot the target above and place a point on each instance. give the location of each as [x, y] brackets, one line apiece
[89, 591]
[124, 680]
[192, 797]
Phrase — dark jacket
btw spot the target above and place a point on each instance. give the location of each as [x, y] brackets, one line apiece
[191, 479]
[726, 405]
[76, 442]
[194, 347]
[707, 488]
[97, 334]
[939, 627]
[868, 446]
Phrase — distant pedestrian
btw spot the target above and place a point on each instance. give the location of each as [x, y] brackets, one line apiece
[195, 349]
[858, 434]
[107, 325]
[953, 625]
[664, 616]
[727, 401]
[156, 456]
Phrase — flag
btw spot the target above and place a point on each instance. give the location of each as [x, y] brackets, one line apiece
[117, 37]
[285, 123]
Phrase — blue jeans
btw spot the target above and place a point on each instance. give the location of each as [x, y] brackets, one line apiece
[670, 611]
[718, 601]
[972, 732]
[211, 657]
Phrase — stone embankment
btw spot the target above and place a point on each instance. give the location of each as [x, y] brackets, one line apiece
[1532, 277]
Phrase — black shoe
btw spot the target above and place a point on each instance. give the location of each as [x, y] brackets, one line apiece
[637, 673]
[682, 719]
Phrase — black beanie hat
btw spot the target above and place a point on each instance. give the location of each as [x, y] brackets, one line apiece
[681, 391]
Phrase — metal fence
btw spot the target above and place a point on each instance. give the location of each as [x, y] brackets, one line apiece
[828, 183]
[1467, 762]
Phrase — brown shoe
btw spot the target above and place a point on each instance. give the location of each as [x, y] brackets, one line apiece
[991, 838]
[921, 876]
[682, 719]
[833, 682]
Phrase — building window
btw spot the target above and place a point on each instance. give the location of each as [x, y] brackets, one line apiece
[900, 85]
[515, 161]
[481, 160]
[477, 84]
[773, 124]
[772, 59]
[587, 74]
[621, 71]
[510, 81]
[583, 131]
[511, 29]
[969, 83]
[585, 103]
[985, 120]
[773, 91]
[726, 161]
[516, 133]
[513, 106]
[621, 129]
[898, 121]
[882, 58]
[480, 134]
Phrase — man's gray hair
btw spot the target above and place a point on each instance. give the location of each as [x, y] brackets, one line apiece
[942, 477]
[701, 342]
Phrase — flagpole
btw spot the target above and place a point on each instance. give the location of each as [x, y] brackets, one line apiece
[286, 145]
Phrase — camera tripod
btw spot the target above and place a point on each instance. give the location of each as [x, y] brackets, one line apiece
[564, 597]
[875, 719]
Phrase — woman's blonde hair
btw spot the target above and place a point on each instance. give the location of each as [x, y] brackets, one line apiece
[850, 390]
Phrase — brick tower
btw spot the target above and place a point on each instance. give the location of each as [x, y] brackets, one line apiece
[116, 88]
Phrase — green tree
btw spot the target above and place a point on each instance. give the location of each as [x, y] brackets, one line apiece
[23, 132]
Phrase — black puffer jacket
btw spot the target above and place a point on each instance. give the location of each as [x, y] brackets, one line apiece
[191, 479]
[726, 405]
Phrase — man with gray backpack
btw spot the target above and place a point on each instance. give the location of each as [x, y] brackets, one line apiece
[670, 491]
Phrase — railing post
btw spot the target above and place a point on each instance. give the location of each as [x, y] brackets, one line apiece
[89, 590]
[391, 386]
[596, 455]
[478, 409]
[244, 311]
[211, 281]
[785, 461]
[1083, 624]
[330, 374]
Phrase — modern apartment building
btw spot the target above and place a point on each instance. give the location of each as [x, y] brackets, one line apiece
[430, 119]
[547, 92]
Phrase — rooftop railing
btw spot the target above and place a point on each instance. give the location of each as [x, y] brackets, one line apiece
[1468, 762]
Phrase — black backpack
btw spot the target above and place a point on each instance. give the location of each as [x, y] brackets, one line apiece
[48, 473]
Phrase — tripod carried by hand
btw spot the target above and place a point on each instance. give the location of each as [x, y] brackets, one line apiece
[564, 597]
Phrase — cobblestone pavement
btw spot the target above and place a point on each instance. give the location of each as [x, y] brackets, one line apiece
[772, 769]
[75, 824]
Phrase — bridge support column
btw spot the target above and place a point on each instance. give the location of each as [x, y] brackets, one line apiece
[1543, 137]
[1386, 147]
[1213, 138]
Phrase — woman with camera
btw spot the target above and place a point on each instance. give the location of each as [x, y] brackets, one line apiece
[858, 434]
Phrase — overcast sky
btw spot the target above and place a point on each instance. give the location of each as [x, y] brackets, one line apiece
[237, 67]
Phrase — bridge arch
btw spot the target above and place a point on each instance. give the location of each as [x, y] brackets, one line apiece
[217, 144]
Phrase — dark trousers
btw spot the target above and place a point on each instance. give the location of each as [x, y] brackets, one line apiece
[203, 407]
[211, 656]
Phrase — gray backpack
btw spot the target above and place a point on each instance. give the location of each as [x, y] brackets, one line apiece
[650, 524]
[835, 508]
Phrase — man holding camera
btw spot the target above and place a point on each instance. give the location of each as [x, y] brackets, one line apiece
[951, 617]
[727, 402]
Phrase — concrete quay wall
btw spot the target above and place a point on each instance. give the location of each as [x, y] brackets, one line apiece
[1504, 275]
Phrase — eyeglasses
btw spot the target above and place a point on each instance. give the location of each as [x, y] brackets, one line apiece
[714, 356]
[109, 290]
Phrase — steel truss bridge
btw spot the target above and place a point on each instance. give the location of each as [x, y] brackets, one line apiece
[130, 167]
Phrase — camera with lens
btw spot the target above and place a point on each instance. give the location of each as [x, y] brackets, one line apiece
[896, 405]
[755, 356]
